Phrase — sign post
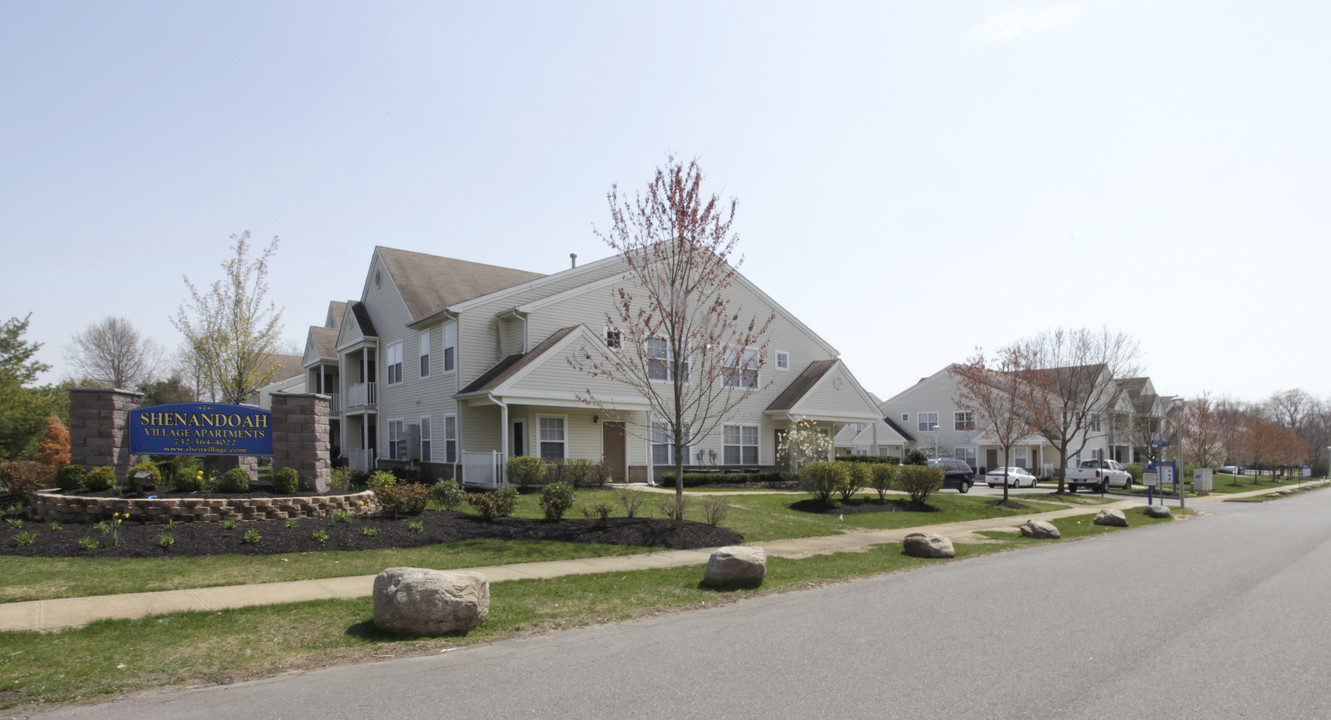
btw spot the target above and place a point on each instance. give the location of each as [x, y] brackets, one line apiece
[1149, 478]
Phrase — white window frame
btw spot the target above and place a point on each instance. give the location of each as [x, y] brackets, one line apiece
[450, 341]
[965, 454]
[425, 353]
[963, 420]
[1097, 454]
[427, 447]
[782, 361]
[662, 441]
[905, 418]
[1019, 457]
[450, 438]
[740, 443]
[393, 368]
[927, 425]
[739, 368]
[1094, 425]
[614, 338]
[394, 438]
[541, 440]
[665, 360]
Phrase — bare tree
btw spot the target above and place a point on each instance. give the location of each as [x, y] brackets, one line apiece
[682, 343]
[232, 329]
[113, 353]
[995, 392]
[1203, 431]
[1070, 375]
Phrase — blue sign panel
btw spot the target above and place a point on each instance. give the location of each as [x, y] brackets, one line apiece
[200, 429]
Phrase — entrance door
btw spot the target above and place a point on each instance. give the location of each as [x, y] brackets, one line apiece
[612, 448]
[518, 438]
[991, 458]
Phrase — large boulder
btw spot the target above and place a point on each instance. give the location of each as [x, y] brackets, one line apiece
[1040, 530]
[1112, 517]
[1157, 511]
[417, 601]
[736, 566]
[928, 545]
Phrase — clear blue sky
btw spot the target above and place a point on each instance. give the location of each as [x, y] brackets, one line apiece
[915, 179]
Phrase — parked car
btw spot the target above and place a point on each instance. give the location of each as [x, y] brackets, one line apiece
[1232, 469]
[1098, 476]
[956, 474]
[1016, 477]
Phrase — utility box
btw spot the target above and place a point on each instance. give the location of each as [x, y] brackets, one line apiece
[1201, 481]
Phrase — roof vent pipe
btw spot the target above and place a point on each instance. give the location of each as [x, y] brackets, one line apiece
[574, 258]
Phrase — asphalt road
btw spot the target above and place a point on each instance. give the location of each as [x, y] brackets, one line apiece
[1222, 616]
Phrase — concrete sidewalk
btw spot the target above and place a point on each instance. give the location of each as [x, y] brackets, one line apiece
[74, 612]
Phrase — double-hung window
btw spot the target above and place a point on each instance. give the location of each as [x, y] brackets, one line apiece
[966, 455]
[450, 346]
[397, 441]
[740, 368]
[963, 420]
[425, 440]
[660, 360]
[663, 446]
[425, 353]
[927, 421]
[553, 442]
[740, 444]
[394, 369]
[450, 438]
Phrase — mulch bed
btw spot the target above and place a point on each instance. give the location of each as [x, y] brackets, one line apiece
[203, 539]
[856, 506]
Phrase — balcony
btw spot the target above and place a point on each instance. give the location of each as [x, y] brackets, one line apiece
[362, 395]
[335, 404]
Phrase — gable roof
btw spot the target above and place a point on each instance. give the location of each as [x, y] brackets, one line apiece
[801, 386]
[428, 282]
[513, 364]
[899, 430]
[321, 344]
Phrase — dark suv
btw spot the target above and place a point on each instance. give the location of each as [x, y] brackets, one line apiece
[956, 474]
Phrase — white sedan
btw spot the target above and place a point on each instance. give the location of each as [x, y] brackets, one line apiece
[1016, 477]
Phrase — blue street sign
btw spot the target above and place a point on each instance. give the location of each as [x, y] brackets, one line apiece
[200, 429]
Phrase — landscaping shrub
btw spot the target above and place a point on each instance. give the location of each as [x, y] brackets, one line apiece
[631, 498]
[919, 482]
[916, 457]
[600, 512]
[821, 479]
[286, 481]
[24, 477]
[99, 479]
[1135, 471]
[526, 470]
[70, 477]
[190, 479]
[490, 505]
[714, 510]
[155, 476]
[883, 476]
[340, 479]
[404, 498]
[556, 499]
[449, 494]
[599, 474]
[728, 478]
[381, 479]
[575, 471]
[871, 459]
[54, 449]
[235, 480]
[858, 476]
[668, 507]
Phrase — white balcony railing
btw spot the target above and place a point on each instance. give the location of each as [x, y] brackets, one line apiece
[483, 468]
[362, 395]
[361, 460]
[334, 404]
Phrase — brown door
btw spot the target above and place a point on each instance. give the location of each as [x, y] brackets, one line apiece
[991, 458]
[612, 447]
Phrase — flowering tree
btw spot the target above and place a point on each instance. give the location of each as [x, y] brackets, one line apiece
[680, 341]
[995, 393]
[804, 444]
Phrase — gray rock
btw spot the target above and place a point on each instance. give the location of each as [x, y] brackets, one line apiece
[417, 601]
[1112, 517]
[1040, 530]
[928, 545]
[1157, 511]
[736, 566]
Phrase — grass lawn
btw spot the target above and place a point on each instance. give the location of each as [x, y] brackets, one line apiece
[113, 656]
[758, 517]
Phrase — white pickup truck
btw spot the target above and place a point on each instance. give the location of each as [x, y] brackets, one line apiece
[1099, 476]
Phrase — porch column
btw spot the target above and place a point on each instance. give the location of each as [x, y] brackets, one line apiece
[875, 439]
[503, 442]
[651, 471]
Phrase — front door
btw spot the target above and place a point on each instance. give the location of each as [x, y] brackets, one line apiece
[991, 458]
[612, 450]
[518, 438]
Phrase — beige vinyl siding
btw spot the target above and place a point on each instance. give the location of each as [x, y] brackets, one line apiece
[512, 332]
[480, 428]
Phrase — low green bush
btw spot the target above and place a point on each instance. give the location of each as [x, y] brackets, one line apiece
[191, 479]
[883, 478]
[1135, 471]
[381, 479]
[871, 459]
[404, 498]
[822, 479]
[99, 479]
[556, 499]
[70, 477]
[916, 457]
[153, 479]
[235, 480]
[526, 470]
[858, 476]
[497, 504]
[729, 478]
[286, 481]
[574, 471]
[449, 494]
[919, 482]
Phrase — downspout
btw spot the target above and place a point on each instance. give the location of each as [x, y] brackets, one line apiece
[503, 436]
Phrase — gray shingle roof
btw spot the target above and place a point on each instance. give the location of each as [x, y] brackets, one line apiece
[429, 282]
[801, 386]
[509, 366]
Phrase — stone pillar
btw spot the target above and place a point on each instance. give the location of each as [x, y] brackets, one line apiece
[300, 438]
[99, 428]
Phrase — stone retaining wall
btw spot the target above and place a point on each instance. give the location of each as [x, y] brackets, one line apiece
[49, 505]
